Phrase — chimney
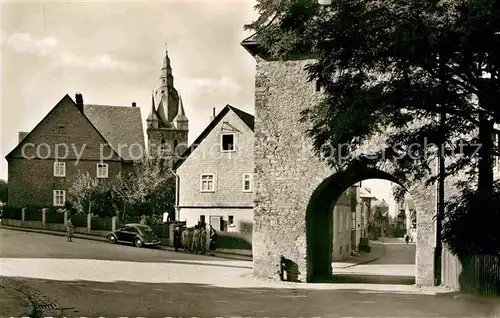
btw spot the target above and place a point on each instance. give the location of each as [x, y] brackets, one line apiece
[79, 101]
[134, 104]
[213, 115]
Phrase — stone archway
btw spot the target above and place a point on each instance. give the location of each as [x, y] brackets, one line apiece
[287, 173]
[319, 216]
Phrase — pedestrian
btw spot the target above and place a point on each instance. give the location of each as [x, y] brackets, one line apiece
[70, 228]
[196, 239]
[185, 239]
[203, 239]
[177, 239]
[407, 239]
[207, 231]
[213, 241]
[143, 220]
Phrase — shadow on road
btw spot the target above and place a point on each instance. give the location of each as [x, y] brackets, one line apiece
[89, 298]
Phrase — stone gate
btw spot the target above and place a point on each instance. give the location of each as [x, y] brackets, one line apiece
[295, 190]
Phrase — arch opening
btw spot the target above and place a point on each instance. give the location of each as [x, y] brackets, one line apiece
[320, 223]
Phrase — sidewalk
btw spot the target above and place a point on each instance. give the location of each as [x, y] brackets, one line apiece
[376, 252]
[13, 303]
[222, 253]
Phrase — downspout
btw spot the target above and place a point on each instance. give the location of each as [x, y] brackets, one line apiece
[176, 206]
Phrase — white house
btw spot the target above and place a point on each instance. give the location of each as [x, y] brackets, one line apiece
[215, 174]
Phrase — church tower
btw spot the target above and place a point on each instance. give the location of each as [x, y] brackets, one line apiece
[167, 124]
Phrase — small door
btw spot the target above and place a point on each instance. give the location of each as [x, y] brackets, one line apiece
[215, 222]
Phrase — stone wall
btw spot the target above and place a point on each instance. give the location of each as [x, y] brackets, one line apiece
[287, 173]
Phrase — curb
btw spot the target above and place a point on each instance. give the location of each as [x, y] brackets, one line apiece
[31, 310]
[368, 261]
[95, 237]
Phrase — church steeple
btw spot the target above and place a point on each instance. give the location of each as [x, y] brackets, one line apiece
[152, 119]
[166, 77]
[181, 121]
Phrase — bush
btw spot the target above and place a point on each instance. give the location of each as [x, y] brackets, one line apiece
[470, 227]
[227, 240]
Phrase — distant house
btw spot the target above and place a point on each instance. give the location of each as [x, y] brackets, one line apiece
[380, 217]
[216, 174]
[366, 199]
[73, 137]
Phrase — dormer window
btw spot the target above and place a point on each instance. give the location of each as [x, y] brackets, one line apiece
[61, 130]
[227, 141]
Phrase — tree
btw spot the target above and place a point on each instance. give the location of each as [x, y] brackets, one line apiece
[395, 67]
[91, 195]
[151, 189]
[4, 191]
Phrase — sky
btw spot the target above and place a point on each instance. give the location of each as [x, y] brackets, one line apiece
[112, 51]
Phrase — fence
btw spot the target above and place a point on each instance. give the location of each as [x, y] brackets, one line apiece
[12, 213]
[101, 224]
[53, 216]
[79, 220]
[481, 275]
[33, 214]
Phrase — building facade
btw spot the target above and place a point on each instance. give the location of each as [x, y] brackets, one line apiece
[73, 138]
[216, 174]
[167, 124]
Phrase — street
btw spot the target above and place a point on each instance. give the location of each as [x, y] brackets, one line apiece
[90, 278]
[396, 266]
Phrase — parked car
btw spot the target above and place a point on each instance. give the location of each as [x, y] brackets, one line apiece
[137, 234]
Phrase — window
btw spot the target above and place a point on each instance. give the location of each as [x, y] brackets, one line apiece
[61, 130]
[353, 225]
[247, 182]
[202, 218]
[227, 142]
[59, 169]
[207, 183]
[230, 220]
[216, 222]
[59, 197]
[102, 170]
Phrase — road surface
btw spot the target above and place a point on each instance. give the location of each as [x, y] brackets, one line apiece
[396, 266]
[90, 278]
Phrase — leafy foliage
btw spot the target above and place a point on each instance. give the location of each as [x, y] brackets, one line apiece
[393, 68]
[4, 191]
[91, 195]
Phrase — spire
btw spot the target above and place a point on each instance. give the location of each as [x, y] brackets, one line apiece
[181, 121]
[167, 80]
[152, 118]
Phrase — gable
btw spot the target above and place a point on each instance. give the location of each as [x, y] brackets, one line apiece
[64, 133]
[221, 121]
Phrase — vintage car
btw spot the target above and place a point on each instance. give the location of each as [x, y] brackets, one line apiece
[137, 234]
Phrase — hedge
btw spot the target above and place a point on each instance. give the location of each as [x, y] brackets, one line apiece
[228, 240]
[101, 224]
[33, 214]
[79, 220]
[52, 216]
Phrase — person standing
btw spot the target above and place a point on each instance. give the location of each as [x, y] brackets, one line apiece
[203, 240]
[208, 231]
[177, 239]
[213, 241]
[196, 239]
[70, 228]
[143, 220]
[185, 239]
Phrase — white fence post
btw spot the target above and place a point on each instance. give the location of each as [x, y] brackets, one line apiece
[65, 217]
[23, 214]
[114, 223]
[44, 216]
[89, 222]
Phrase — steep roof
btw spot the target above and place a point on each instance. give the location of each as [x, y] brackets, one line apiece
[245, 117]
[121, 127]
